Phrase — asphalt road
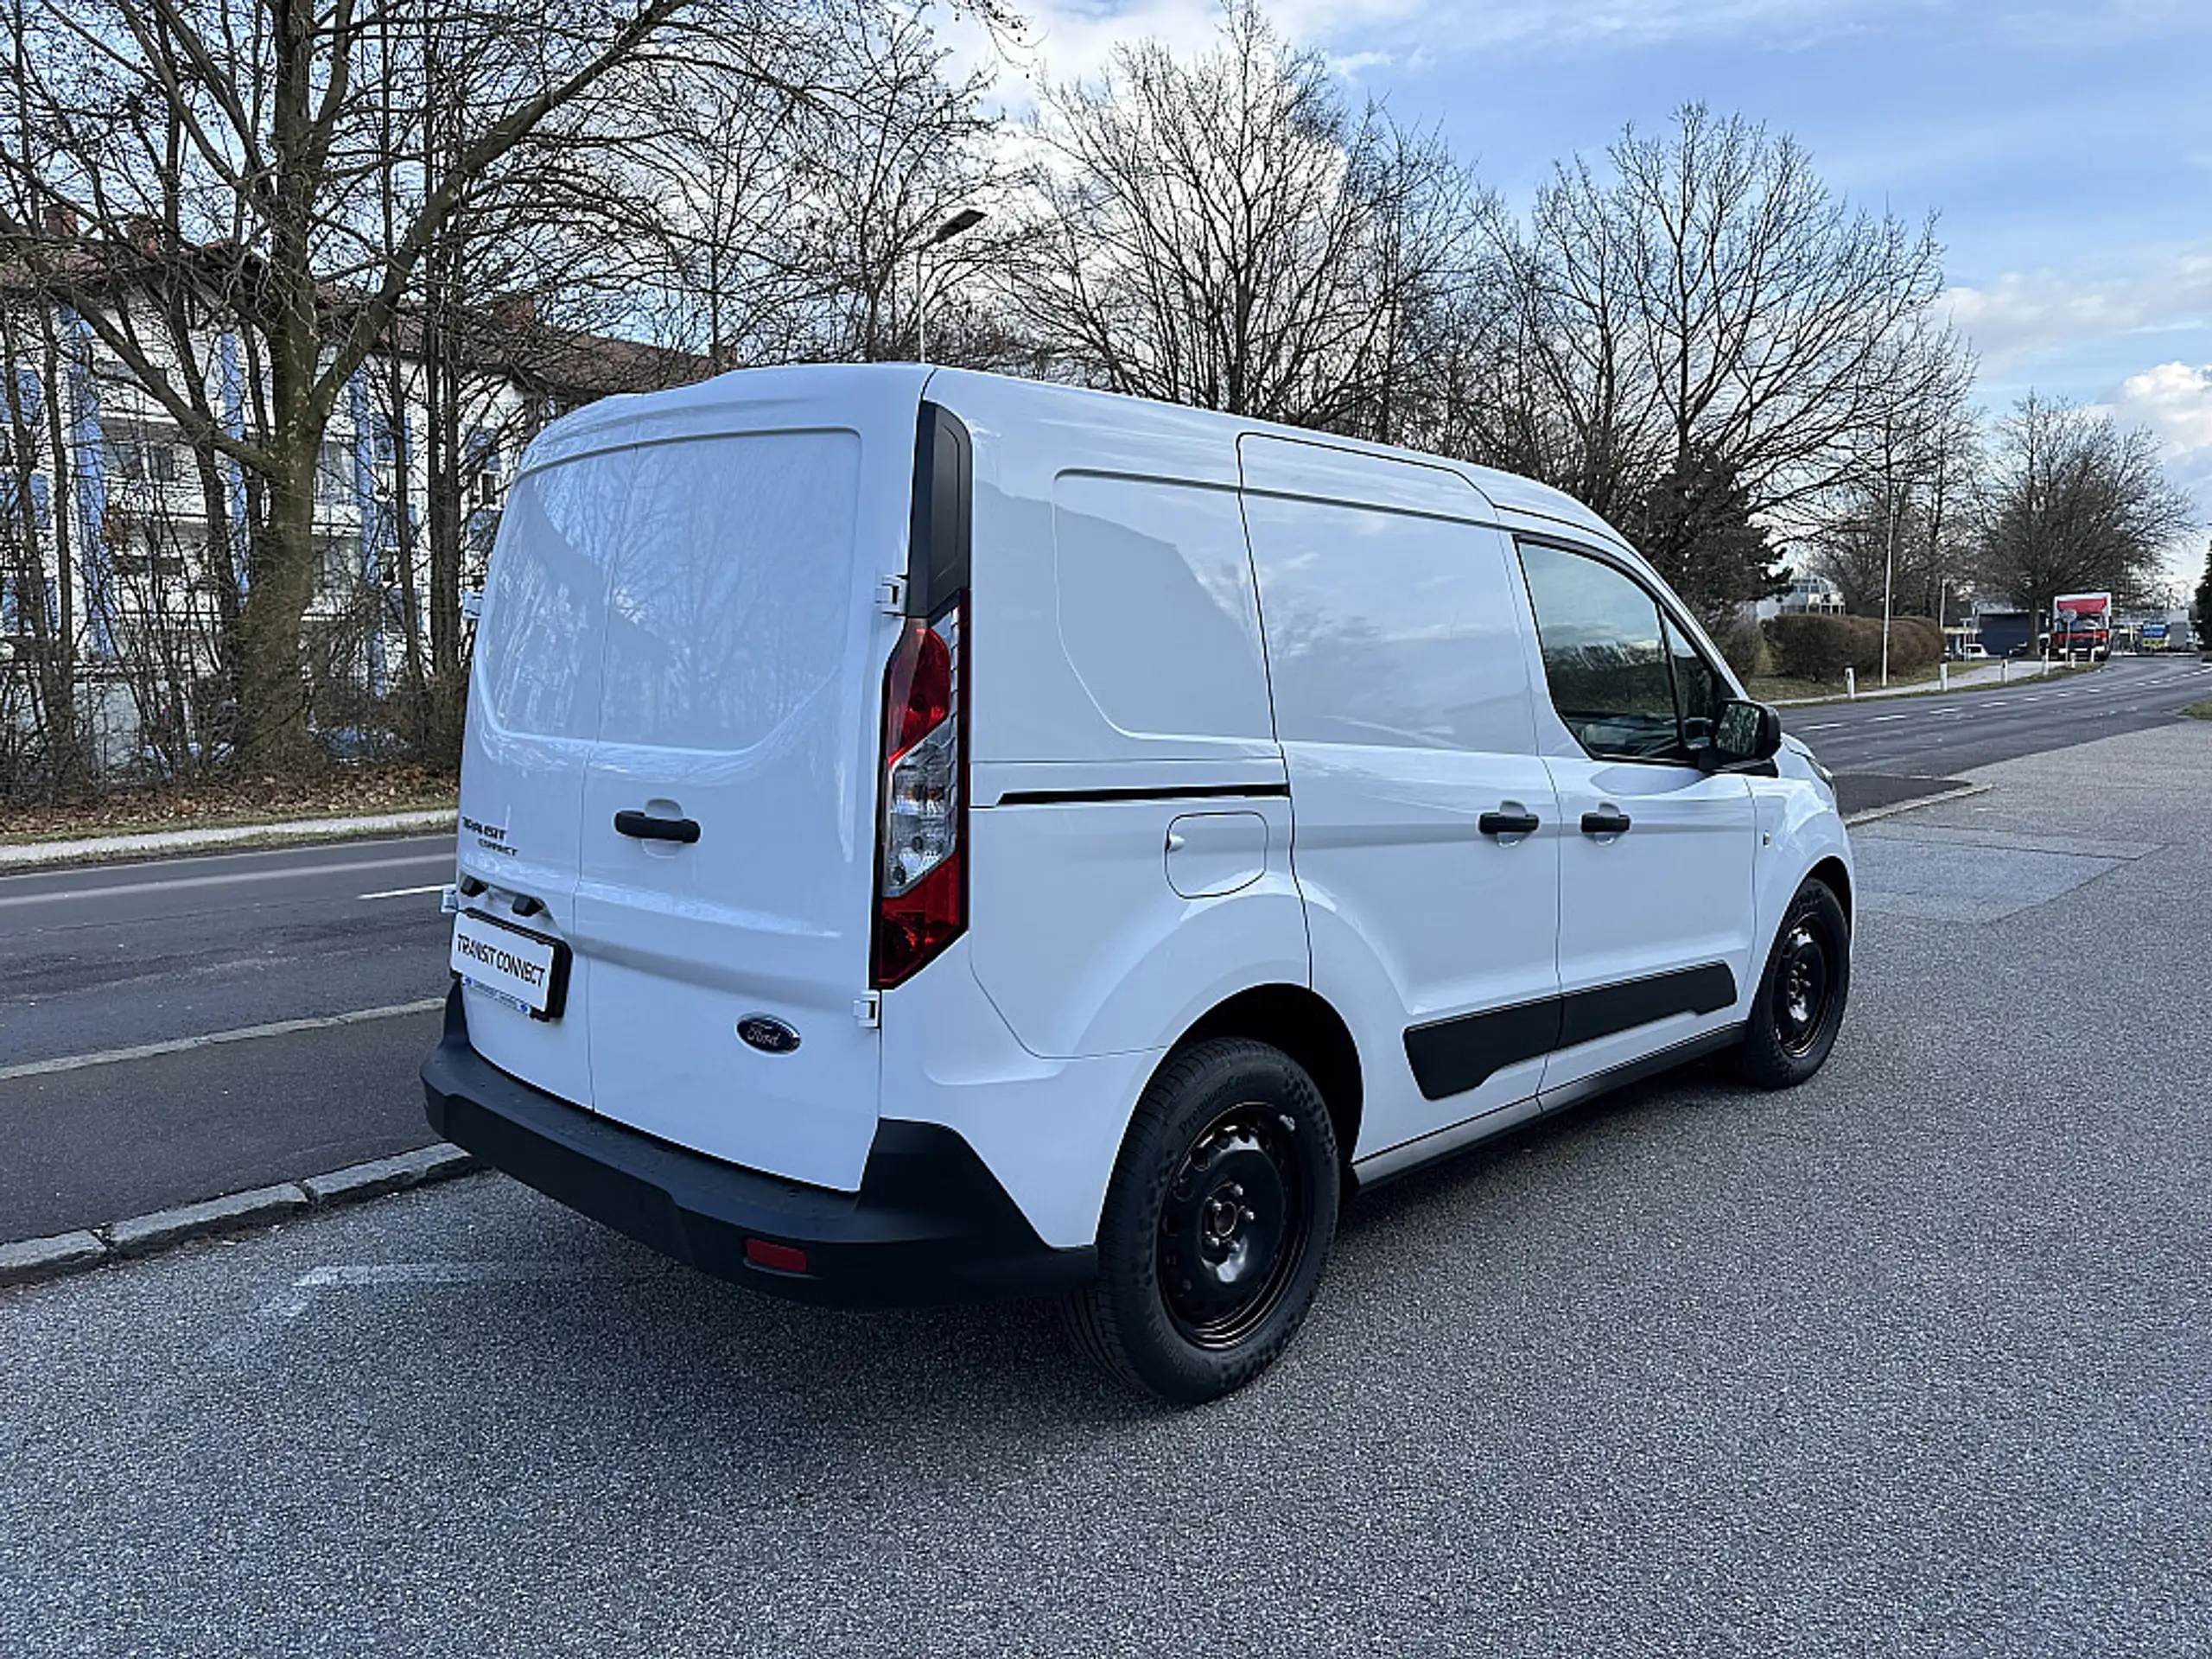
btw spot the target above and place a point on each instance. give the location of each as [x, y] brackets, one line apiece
[1941, 735]
[115, 957]
[1912, 1360]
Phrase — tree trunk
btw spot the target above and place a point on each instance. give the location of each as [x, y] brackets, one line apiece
[272, 732]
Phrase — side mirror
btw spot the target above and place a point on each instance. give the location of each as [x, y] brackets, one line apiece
[1745, 734]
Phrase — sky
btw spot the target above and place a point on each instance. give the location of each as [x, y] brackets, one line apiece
[2066, 149]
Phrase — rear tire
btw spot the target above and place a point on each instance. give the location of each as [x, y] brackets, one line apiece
[1217, 1224]
[1801, 1000]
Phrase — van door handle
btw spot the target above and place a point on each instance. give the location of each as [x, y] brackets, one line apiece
[1614, 822]
[645, 827]
[1507, 824]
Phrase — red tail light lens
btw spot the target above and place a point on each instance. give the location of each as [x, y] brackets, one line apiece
[921, 881]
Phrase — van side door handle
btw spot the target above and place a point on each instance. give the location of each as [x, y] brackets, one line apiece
[645, 827]
[1507, 824]
[1613, 823]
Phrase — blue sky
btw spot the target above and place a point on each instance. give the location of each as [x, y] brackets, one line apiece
[2066, 149]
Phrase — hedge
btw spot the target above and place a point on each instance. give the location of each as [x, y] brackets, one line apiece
[1821, 647]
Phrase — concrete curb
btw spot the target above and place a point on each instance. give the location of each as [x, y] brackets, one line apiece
[293, 832]
[33, 1259]
[1895, 807]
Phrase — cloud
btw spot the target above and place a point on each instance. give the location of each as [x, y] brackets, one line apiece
[2024, 314]
[2174, 400]
[1075, 37]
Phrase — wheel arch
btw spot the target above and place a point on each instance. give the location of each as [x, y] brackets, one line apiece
[1302, 1023]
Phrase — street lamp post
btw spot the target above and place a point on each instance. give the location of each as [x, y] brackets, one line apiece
[966, 219]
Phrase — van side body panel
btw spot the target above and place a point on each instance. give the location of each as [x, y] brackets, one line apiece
[1120, 684]
[1402, 698]
[1047, 1129]
[1658, 948]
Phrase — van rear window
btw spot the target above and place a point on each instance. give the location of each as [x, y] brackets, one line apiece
[688, 594]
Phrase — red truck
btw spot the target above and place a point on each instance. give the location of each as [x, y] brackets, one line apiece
[2081, 625]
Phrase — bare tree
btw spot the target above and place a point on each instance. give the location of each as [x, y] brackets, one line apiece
[1702, 295]
[224, 157]
[1226, 232]
[2074, 504]
[1892, 530]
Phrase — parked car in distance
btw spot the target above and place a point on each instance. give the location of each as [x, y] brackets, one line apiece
[928, 835]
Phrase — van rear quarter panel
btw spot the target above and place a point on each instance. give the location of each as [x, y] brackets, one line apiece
[1116, 644]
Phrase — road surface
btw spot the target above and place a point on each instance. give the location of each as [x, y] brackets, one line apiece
[1911, 1361]
[114, 958]
[1941, 735]
[100, 961]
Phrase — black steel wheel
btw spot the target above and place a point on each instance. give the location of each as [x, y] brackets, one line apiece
[1217, 1224]
[1801, 1000]
[1234, 1227]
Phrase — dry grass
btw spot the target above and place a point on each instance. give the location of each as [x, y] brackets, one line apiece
[226, 800]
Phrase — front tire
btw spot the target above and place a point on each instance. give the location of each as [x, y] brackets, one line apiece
[1217, 1224]
[1801, 996]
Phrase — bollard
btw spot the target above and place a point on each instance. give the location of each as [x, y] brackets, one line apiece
[1942, 676]
[1850, 683]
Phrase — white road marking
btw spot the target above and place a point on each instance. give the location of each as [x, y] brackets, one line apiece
[377, 1275]
[402, 892]
[62, 895]
[243, 1034]
[1827, 726]
[1880, 718]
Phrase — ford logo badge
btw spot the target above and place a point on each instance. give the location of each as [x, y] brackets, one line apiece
[767, 1033]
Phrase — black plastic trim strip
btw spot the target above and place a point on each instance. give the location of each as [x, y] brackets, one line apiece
[1184, 792]
[1452, 1055]
[940, 537]
[1449, 1056]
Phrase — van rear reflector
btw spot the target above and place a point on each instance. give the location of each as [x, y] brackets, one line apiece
[778, 1258]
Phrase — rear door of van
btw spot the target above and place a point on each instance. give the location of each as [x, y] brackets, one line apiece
[727, 870]
[672, 759]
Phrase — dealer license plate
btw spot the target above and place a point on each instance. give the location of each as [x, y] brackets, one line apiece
[524, 969]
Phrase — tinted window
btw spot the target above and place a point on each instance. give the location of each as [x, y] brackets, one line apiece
[1605, 655]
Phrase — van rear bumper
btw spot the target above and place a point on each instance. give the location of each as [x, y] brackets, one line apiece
[930, 1223]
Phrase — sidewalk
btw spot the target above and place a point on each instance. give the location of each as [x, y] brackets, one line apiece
[2000, 672]
[43, 855]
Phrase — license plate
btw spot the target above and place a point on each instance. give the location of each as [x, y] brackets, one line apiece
[525, 969]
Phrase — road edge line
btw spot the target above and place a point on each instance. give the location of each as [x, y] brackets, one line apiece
[135, 1238]
[208, 1039]
[1895, 807]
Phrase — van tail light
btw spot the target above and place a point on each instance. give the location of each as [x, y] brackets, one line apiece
[921, 857]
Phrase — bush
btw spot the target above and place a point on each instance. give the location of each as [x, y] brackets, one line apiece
[1915, 642]
[1821, 647]
[1743, 642]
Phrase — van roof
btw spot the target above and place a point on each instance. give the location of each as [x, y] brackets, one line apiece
[1519, 499]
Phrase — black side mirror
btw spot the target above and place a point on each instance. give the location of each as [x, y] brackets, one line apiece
[1743, 734]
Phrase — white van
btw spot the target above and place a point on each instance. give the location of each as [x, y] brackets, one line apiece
[926, 835]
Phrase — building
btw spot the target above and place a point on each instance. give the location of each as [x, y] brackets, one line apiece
[120, 545]
[1805, 596]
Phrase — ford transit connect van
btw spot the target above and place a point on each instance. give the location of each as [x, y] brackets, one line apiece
[928, 835]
